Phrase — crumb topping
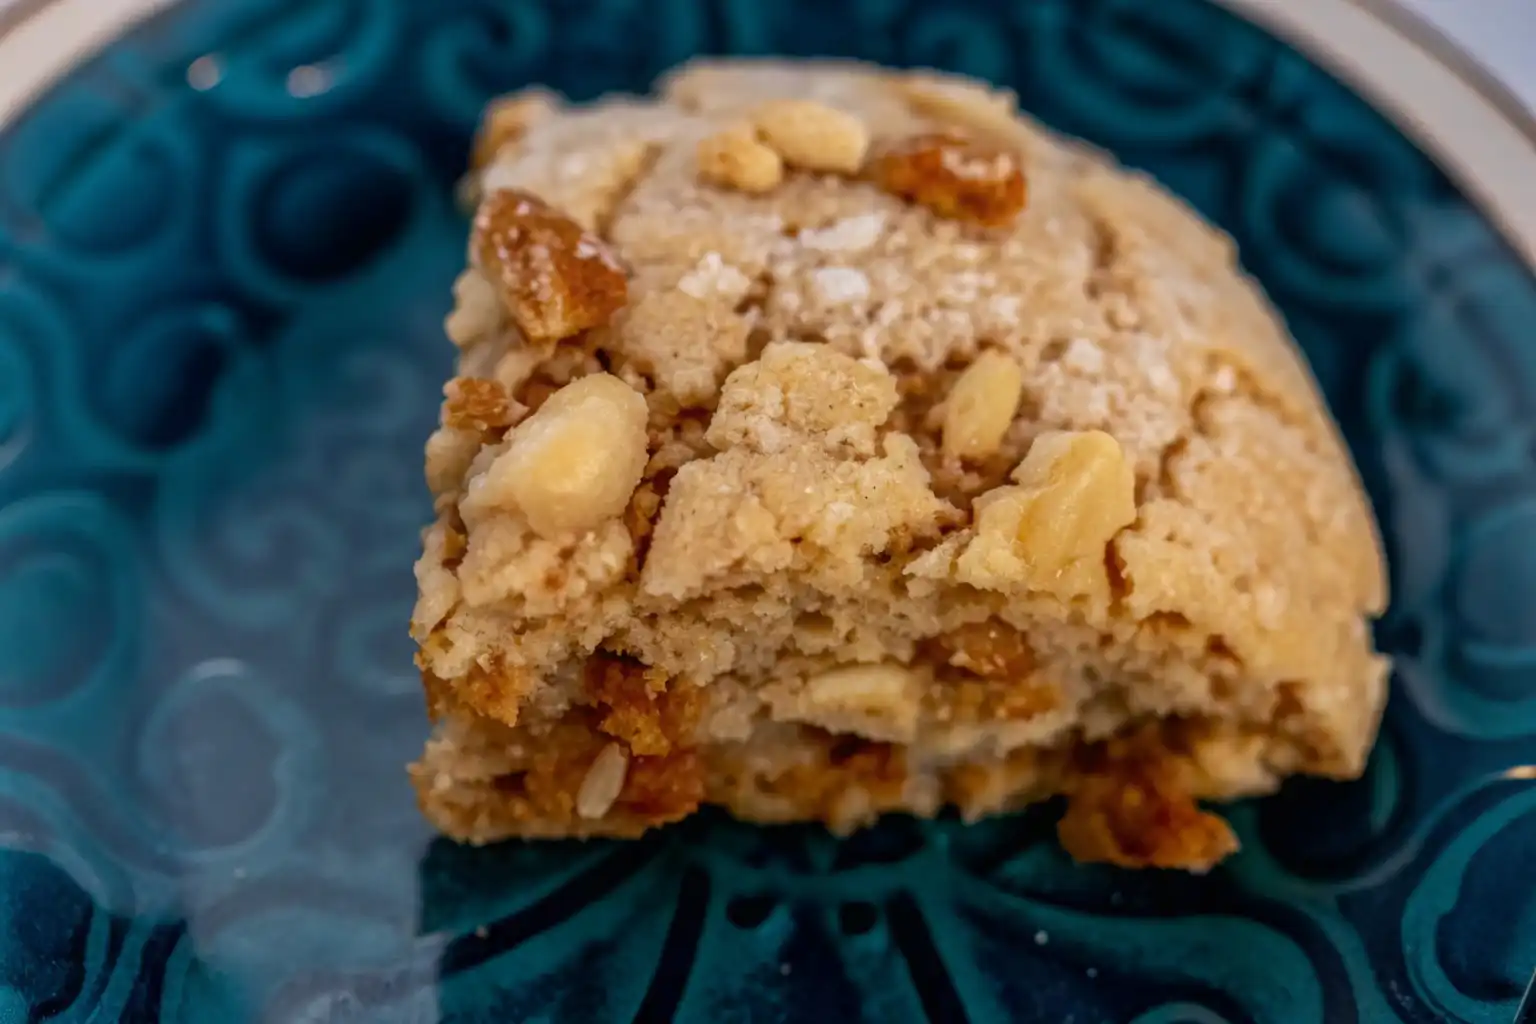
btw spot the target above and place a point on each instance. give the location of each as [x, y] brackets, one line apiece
[860, 385]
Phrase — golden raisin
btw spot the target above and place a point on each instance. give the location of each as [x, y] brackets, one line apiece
[954, 177]
[555, 278]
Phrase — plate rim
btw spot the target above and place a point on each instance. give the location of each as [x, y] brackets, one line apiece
[1471, 124]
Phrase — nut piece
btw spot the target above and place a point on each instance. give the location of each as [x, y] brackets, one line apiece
[507, 120]
[812, 135]
[981, 407]
[554, 278]
[1078, 491]
[603, 783]
[572, 465]
[473, 403]
[735, 159]
[880, 700]
[955, 178]
[1075, 492]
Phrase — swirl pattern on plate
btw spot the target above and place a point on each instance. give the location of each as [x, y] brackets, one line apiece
[225, 247]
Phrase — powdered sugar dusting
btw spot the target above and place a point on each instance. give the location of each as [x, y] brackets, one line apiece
[715, 278]
[1151, 355]
[851, 235]
[1083, 356]
[967, 286]
[1005, 308]
[839, 286]
[963, 164]
[574, 164]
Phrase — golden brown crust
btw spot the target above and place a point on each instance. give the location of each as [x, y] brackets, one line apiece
[1130, 805]
[638, 708]
[1014, 435]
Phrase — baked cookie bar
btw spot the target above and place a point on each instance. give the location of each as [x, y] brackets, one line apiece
[830, 441]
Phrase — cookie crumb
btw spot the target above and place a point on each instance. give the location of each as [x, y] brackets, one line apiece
[472, 403]
[838, 286]
[714, 278]
[849, 235]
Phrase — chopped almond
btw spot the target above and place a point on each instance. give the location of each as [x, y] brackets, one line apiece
[813, 135]
[735, 158]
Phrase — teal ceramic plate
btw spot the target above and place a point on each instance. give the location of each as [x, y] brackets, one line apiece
[226, 243]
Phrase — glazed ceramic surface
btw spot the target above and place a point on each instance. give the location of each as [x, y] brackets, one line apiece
[226, 245]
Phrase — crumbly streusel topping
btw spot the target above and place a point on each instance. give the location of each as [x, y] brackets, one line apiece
[813, 389]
